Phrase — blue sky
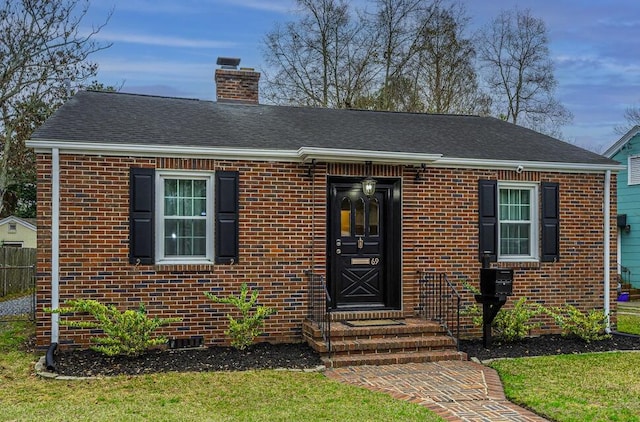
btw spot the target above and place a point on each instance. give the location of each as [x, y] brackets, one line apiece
[169, 47]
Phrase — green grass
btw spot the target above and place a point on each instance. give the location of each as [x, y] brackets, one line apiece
[212, 396]
[629, 323]
[589, 387]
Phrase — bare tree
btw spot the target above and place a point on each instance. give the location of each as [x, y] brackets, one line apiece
[514, 52]
[43, 52]
[397, 25]
[406, 55]
[632, 118]
[446, 76]
[320, 60]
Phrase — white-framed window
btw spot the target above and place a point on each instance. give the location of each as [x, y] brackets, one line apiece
[633, 170]
[517, 221]
[184, 217]
[13, 227]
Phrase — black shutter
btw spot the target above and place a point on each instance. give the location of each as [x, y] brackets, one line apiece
[141, 207]
[227, 213]
[488, 218]
[550, 222]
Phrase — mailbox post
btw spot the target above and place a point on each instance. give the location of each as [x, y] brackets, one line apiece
[496, 284]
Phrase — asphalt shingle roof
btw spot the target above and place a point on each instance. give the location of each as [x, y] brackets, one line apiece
[117, 118]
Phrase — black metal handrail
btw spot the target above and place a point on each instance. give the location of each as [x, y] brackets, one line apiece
[440, 301]
[319, 306]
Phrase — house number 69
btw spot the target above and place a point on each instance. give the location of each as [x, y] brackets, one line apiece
[375, 261]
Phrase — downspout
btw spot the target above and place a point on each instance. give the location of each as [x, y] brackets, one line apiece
[619, 253]
[55, 242]
[607, 248]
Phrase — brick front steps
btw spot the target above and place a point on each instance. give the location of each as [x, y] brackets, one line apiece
[416, 340]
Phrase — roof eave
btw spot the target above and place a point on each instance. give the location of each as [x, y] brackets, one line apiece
[18, 220]
[613, 149]
[304, 154]
[307, 155]
[522, 165]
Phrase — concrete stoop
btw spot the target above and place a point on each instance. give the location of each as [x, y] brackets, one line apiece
[414, 341]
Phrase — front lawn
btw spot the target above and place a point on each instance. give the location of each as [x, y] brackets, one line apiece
[214, 396]
[588, 387]
[629, 323]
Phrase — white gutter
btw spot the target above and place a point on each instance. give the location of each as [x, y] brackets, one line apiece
[478, 163]
[140, 150]
[607, 248]
[55, 242]
[307, 155]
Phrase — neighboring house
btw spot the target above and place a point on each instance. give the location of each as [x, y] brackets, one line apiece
[157, 200]
[18, 232]
[627, 151]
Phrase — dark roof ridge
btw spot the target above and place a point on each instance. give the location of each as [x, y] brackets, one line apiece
[306, 107]
[135, 94]
[234, 103]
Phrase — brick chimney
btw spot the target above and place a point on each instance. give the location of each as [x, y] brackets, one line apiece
[233, 85]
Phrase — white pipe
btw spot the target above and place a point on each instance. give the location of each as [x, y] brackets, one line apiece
[619, 253]
[55, 242]
[607, 247]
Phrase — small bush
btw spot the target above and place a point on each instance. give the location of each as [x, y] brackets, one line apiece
[126, 333]
[515, 324]
[586, 326]
[509, 325]
[245, 329]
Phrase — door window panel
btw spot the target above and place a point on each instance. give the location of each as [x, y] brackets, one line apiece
[345, 217]
[360, 217]
[374, 217]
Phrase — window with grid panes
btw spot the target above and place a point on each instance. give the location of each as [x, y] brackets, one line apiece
[517, 221]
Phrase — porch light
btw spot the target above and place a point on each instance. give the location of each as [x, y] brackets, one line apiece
[368, 186]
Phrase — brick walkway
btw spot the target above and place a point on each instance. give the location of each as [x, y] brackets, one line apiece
[455, 390]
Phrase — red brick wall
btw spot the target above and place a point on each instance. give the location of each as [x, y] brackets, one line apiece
[441, 232]
[282, 235]
[237, 85]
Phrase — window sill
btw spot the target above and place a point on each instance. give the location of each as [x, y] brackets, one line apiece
[519, 263]
[518, 259]
[199, 265]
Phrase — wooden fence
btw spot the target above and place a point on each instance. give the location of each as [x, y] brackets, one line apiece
[17, 270]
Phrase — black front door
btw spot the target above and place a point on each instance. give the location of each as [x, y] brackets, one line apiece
[363, 245]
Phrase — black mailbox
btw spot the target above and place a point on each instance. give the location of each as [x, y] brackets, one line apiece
[496, 282]
[622, 220]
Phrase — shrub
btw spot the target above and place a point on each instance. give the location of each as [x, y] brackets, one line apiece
[509, 325]
[514, 324]
[126, 333]
[245, 329]
[586, 326]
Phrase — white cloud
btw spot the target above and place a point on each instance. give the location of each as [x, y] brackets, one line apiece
[155, 68]
[278, 6]
[593, 65]
[145, 6]
[145, 39]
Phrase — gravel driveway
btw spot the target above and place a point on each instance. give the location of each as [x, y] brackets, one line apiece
[22, 305]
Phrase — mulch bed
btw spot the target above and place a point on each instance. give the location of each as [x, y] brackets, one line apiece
[86, 363]
[548, 345]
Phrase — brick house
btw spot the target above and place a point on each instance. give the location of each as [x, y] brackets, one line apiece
[157, 200]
